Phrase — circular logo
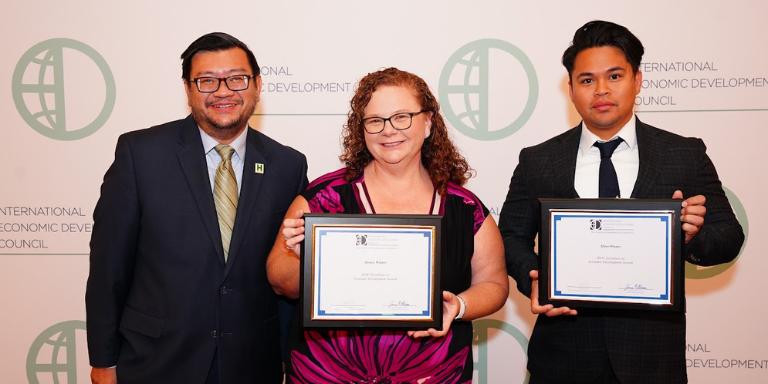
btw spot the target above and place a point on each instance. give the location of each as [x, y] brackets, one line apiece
[52, 355]
[694, 271]
[465, 89]
[480, 339]
[38, 88]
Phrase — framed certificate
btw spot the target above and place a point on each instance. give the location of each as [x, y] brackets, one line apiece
[611, 253]
[375, 271]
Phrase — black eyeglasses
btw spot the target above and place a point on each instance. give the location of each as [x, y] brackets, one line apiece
[212, 84]
[399, 121]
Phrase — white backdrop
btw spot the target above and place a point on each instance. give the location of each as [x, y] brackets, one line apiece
[706, 67]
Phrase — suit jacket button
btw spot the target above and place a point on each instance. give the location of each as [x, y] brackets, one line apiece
[223, 290]
[213, 334]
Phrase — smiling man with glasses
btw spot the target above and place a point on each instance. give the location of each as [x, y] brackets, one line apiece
[177, 291]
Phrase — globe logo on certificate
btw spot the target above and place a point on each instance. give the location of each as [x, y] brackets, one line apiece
[52, 356]
[361, 240]
[488, 89]
[595, 224]
[63, 89]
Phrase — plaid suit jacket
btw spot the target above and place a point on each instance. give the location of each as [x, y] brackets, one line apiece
[642, 347]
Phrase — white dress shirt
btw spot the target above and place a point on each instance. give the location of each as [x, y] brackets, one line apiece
[625, 159]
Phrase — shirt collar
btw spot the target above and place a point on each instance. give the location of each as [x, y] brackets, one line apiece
[209, 143]
[627, 133]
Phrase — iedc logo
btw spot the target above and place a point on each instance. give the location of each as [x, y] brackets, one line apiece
[696, 272]
[38, 88]
[52, 358]
[488, 89]
[480, 339]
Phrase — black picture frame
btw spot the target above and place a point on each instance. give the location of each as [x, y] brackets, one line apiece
[595, 210]
[315, 223]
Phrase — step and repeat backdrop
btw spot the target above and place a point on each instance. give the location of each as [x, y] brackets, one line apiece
[76, 74]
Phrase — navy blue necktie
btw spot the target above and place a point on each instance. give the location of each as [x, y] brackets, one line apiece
[609, 183]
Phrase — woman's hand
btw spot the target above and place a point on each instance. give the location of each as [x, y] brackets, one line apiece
[283, 262]
[293, 232]
[451, 307]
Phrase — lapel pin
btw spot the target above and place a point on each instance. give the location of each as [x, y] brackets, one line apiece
[259, 168]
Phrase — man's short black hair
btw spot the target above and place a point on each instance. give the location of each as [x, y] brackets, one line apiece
[600, 33]
[214, 42]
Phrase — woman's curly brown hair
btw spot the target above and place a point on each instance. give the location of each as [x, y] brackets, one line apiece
[438, 154]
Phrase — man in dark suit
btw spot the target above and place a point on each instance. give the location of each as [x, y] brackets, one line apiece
[601, 346]
[189, 210]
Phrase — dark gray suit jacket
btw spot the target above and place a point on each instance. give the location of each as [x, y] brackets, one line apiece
[642, 347]
[160, 300]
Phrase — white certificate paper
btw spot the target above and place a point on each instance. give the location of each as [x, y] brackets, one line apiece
[373, 273]
[621, 257]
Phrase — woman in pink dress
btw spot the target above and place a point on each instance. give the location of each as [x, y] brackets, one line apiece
[398, 160]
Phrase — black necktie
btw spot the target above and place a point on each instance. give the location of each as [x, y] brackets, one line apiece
[609, 183]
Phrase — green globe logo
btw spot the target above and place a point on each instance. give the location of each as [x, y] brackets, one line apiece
[466, 83]
[53, 354]
[480, 339]
[694, 271]
[38, 88]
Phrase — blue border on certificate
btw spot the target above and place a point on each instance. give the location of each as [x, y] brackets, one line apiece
[427, 232]
[664, 218]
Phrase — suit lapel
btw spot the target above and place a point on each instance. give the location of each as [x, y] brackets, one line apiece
[563, 158]
[255, 153]
[651, 151]
[192, 160]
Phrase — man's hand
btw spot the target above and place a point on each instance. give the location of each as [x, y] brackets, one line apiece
[548, 309]
[692, 214]
[103, 375]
